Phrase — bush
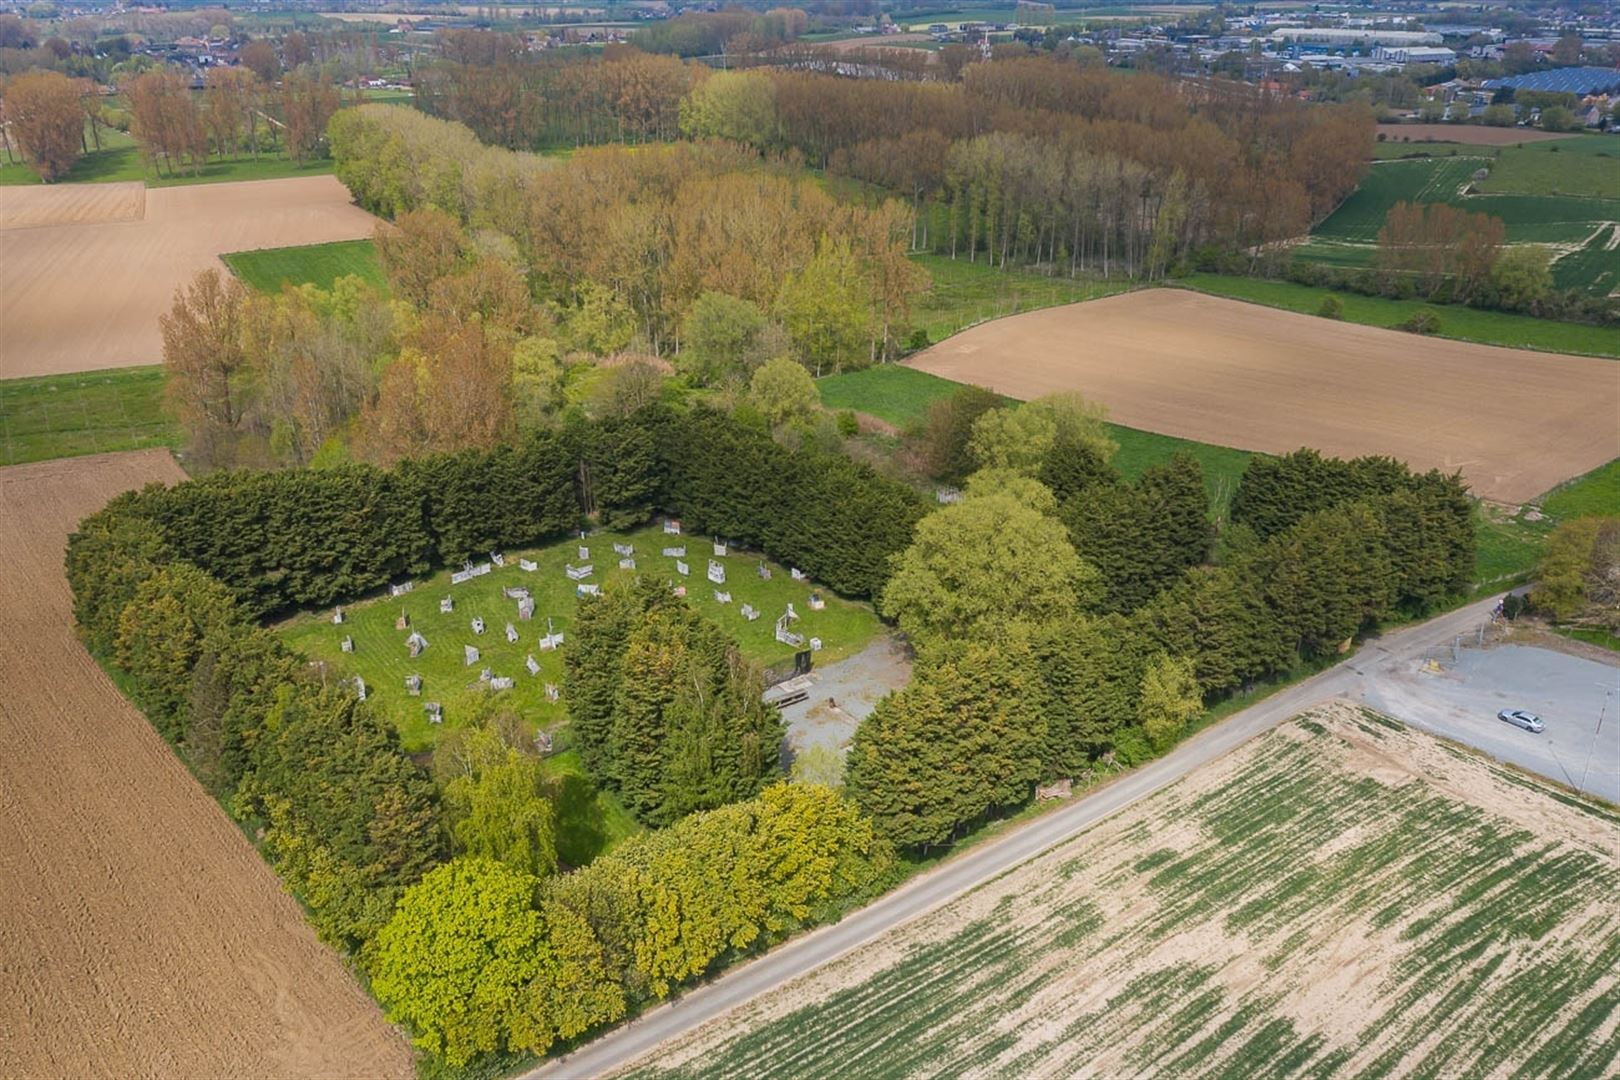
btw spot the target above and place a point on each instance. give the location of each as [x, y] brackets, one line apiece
[1332, 308]
[1424, 322]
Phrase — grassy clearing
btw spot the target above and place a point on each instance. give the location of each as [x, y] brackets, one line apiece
[312, 264]
[1587, 165]
[120, 159]
[1597, 492]
[589, 820]
[380, 656]
[966, 293]
[1595, 266]
[1510, 544]
[56, 416]
[1456, 321]
[902, 395]
[1343, 897]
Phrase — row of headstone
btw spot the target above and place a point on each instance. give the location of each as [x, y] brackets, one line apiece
[401, 589]
[675, 552]
[577, 573]
[468, 571]
[501, 682]
[624, 549]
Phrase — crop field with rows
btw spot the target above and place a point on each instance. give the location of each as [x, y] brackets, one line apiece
[1342, 897]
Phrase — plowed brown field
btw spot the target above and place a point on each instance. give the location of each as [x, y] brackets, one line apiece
[140, 934]
[86, 292]
[71, 204]
[1221, 371]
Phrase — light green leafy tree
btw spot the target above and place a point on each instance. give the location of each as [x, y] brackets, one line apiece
[1022, 438]
[1522, 276]
[461, 949]
[1170, 699]
[737, 105]
[827, 310]
[722, 338]
[783, 392]
[987, 560]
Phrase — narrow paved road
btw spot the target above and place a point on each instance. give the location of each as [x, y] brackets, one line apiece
[626, 1044]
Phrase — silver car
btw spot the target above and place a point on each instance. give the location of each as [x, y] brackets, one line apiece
[1519, 718]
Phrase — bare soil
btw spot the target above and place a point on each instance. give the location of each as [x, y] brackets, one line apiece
[79, 292]
[1468, 134]
[1516, 423]
[71, 204]
[141, 934]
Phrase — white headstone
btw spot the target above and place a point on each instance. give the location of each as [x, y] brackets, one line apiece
[435, 712]
[413, 684]
[717, 573]
[526, 608]
[719, 550]
[337, 616]
[798, 575]
[528, 564]
[478, 624]
[511, 634]
[501, 682]
[360, 687]
[532, 664]
[587, 590]
[672, 527]
[551, 692]
[446, 606]
[470, 654]
[497, 558]
[577, 573]
[750, 612]
[722, 597]
[627, 564]
[676, 552]
[348, 643]
[815, 644]
[682, 568]
[816, 602]
[584, 552]
[626, 550]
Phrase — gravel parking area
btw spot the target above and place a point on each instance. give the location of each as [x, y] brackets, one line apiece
[1578, 698]
[843, 694]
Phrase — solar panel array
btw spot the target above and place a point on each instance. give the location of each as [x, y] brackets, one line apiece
[1573, 80]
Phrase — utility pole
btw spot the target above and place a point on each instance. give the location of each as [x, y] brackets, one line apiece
[1598, 731]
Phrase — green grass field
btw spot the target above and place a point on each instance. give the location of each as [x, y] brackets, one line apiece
[1598, 492]
[1532, 203]
[313, 264]
[380, 656]
[1342, 897]
[902, 395]
[1456, 321]
[965, 293]
[1595, 266]
[56, 416]
[1587, 165]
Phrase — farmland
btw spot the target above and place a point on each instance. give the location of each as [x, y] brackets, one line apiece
[1532, 214]
[381, 659]
[1456, 321]
[58, 416]
[268, 269]
[119, 160]
[1221, 372]
[83, 291]
[1465, 134]
[143, 934]
[1342, 896]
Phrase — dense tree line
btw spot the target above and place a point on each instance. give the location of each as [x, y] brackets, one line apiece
[664, 707]
[1035, 159]
[480, 957]
[1067, 621]
[654, 230]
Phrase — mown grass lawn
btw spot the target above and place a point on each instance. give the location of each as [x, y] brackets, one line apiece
[56, 416]
[312, 264]
[381, 659]
[1456, 321]
[1586, 165]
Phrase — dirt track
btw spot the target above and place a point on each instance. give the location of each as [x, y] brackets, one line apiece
[1235, 374]
[1468, 134]
[141, 934]
[79, 297]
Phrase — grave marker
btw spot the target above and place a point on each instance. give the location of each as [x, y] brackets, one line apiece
[672, 527]
[577, 573]
[532, 664]
[528, 565]
[682, 568]
[413, 685]
[469, 653]
[446, 606]
[478, 624]
[348, 643]
[627, 564]
[676, 552]
[587, 590]
[750, 612]
[337, 616]
[722, 597]
[717, 573]
[435, 712]
[501, 682]
[511, 634]
[401, 589]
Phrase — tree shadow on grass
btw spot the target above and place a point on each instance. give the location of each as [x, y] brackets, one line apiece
[581, 836]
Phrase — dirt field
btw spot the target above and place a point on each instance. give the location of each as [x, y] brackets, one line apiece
[71, 204]
[1341, 897]
[142, 935]
[1468, 134]
[78, 297]
[1221, 371]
